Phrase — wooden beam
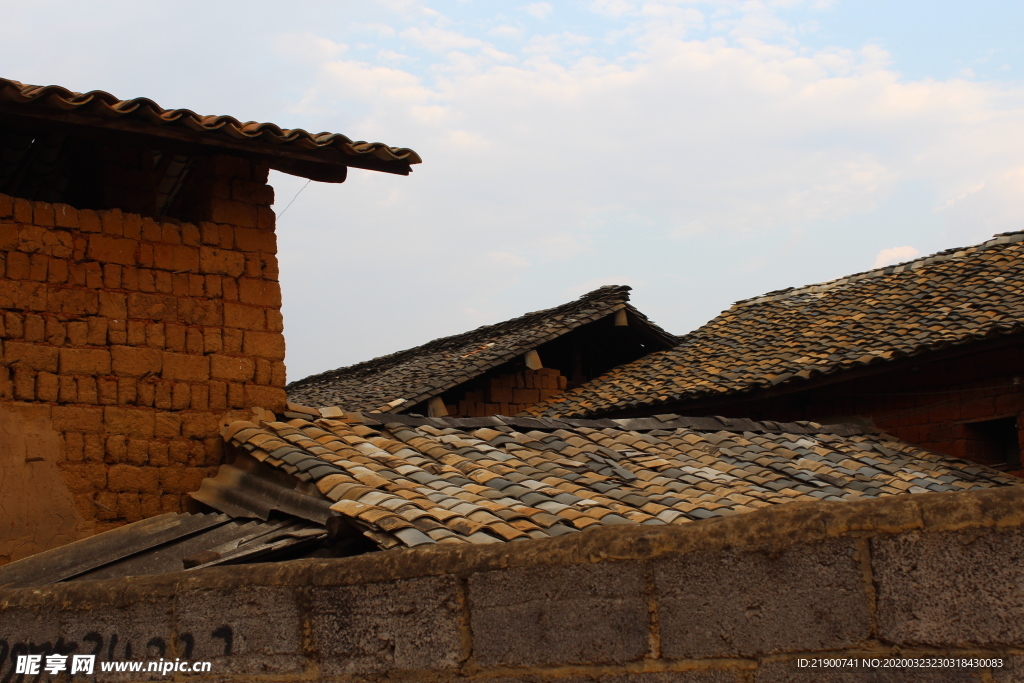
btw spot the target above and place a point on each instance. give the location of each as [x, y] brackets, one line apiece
[436, 407]
[532, 359]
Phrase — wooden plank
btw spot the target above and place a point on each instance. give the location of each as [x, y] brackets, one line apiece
[76, 558]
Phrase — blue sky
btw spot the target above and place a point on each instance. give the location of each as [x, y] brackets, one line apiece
[701, 152]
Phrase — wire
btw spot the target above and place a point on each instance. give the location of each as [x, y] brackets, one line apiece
[293, 199]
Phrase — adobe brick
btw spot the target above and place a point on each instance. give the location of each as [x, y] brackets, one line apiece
[37, 267]
[149, 504]
[176, 257]
[244, 317]
[200, 312]
[213, 341]
[81, 419]
[271, 268]
[200, 399]
[253, 265]
[144, 392]
[18, 265]
[8, 236]
[278, 376]
[106, 391]
[146, 259]
[181, 479]
[127, 390]
[93, 447]
[73, 445]
[177, 453]
[128, 507]
[22, 210]
[57, 272]
[112, 222]
[180, 284]
[76, 301]
[117, 331]
[97, 331]
[221, 262]
[236, 395]
[163, 282]
[238, 369]
[93, 275]
[6, 206]
[250, 239]
[256, 292]
[167, 425]
[181, 396]
[266, 219]
[262, 371]
[232, 341]
[199, 425]
[185, 368]
[43, 214]
[67, 390]
[85, 477]
[209, 233]
[218, 395]
[31, 356]
[233, 213]
[271, 398]
[65, 216]
[132, 225]
[84, 361]
[87, 392]
[150, 229]
[264, 344]
[155, 337]
[128, 421]
[170, 233]
[190, 235]
[229, 289]
[131, 478]
[35, 328]
[26, 296]
[109, 249]
[152, 306]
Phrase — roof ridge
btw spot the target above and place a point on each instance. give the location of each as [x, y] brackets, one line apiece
[619, 293]
[914, 264]
[634, 424]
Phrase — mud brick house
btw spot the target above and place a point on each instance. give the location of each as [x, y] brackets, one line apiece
[497, 369]
[930, 350]
[140, 299]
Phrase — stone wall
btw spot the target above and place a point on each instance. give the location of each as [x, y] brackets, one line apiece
[125, 342]
[739, 599]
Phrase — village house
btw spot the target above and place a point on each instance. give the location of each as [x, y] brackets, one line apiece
[140, 299]
[497, 369]
[398, 529]
[929, 351]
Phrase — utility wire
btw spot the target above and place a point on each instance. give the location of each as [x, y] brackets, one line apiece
[293, 199]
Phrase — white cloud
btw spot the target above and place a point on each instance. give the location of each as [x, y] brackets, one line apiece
[538, 10]
[888, 257]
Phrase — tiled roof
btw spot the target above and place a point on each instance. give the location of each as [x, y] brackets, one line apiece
[290, 150]
[406, 481]
[790, 336]
[400, 380]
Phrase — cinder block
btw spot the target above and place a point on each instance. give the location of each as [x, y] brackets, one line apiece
[402, 626]
[754, 601]
[255, 630]
[584, 614]
[946, 589]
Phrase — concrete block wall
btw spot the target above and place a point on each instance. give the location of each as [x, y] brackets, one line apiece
[737, 600]
[131, 339]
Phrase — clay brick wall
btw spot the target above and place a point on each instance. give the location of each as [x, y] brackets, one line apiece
[507, 393]
[132, 338]
[736, 600]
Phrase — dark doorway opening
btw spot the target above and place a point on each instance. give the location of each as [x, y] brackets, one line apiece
[994, 443]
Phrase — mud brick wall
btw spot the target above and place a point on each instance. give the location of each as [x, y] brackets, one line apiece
[506, 393]
[737, 599]
[932, 404]
[129, 340]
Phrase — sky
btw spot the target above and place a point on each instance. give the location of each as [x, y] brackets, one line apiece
[700, 152]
